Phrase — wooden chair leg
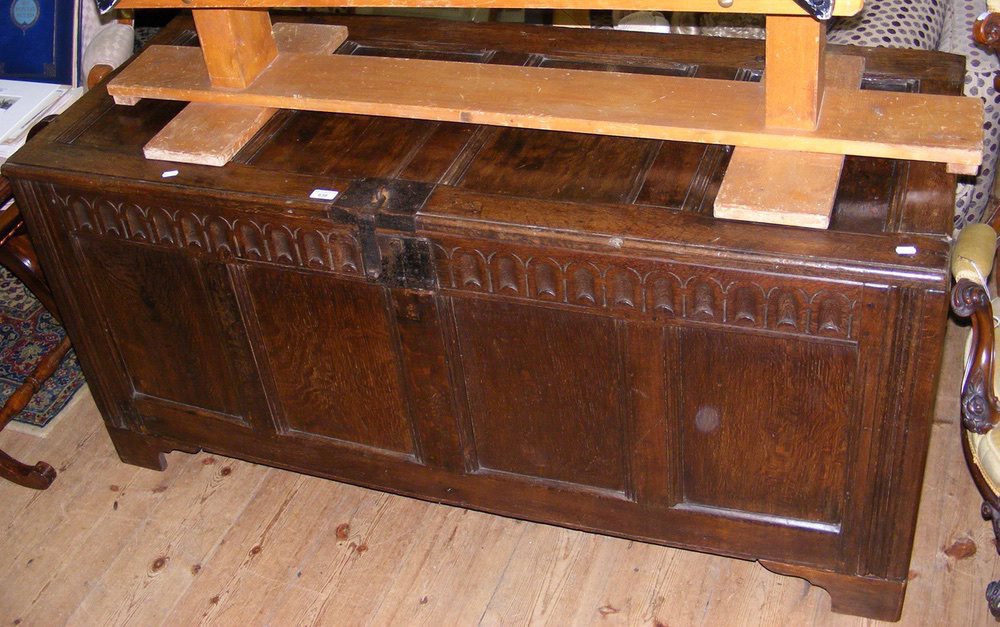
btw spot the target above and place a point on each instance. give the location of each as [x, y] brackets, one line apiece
[41, 475]
[18, 256]
[991, 513]
[38, 477]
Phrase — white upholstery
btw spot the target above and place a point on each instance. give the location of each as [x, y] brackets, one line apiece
[112, 45]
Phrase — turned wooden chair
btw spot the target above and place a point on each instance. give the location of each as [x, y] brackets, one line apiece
[111, 46]
[18, 256]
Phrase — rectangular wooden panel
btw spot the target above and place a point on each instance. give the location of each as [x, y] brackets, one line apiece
[532, 164]
[342, 145]
[332, 355]
[544, 392]
[155, 302]
[765, 424]
[780, 187]
[879, 124]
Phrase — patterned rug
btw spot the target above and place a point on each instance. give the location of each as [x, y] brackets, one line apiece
[27, 332]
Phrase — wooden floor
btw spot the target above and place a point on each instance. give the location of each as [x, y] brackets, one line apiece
[222, 541]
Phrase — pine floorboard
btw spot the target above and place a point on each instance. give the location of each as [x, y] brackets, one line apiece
[221, 541]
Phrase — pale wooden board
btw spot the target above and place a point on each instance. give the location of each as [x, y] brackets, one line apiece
[869, 123]
[311, 38]
[78, 559]
[166, 548]
[781, 187]
[782, 7]
[211, 134]
[282, 524]
[349, 573]
[207, 134]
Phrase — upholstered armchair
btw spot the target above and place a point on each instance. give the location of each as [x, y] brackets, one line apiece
[972, 264]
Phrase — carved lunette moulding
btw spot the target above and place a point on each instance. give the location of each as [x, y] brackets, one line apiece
[294, 242]
[652, 289]
[655, 289]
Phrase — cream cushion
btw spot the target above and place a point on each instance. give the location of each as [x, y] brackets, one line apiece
[112, 45]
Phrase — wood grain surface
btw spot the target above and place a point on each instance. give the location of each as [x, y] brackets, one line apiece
[220, 540]
[236, 44]
[795, 69]
[209, 134]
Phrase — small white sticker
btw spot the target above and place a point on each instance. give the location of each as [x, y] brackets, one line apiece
[324, 194]
[170, 174]
[906, 250]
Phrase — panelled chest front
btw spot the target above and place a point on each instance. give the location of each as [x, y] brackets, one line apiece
[544, 325]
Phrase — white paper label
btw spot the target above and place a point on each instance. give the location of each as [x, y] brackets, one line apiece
[324, 194]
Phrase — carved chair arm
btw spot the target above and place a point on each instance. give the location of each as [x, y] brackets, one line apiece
[972, 261]
[980, 407]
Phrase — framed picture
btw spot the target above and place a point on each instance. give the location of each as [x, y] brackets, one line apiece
[37, 40]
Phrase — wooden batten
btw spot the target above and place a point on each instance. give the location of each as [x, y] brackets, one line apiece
[870, 123]
[779, 187]
[776, 7]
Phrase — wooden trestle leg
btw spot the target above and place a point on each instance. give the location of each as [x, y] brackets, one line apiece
[778, 186]
[237, 44]
[794, 71]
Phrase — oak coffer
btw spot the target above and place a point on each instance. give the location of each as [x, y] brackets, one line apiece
[544, 325]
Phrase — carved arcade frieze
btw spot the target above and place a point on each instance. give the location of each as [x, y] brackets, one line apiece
[652, 289]
[649, 288]
[295, 243]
